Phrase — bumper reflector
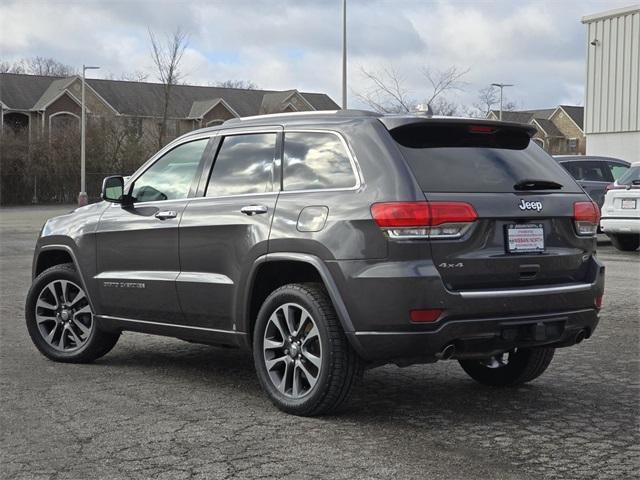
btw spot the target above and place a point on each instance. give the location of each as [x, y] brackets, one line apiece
[425, 316]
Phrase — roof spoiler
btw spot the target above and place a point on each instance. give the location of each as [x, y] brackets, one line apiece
[392, 122]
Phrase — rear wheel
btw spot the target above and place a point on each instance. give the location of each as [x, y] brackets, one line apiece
[303, 359]
[627, 242]
[510, 368]
[60, 320]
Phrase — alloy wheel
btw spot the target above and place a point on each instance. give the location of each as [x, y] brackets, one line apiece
[64, 316]
[292, 350]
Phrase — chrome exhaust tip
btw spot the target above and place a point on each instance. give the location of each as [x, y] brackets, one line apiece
[447, 352]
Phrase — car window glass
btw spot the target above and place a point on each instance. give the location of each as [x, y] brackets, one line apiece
[629, 176]
[590, 171]
[617, 170]
[244, 164]
[170, 177]
[316, 160]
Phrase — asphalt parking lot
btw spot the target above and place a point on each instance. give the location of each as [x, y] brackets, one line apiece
[163, 408]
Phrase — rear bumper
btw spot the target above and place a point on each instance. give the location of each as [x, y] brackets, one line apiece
[476, 338]
[478, 322]
[620, 225]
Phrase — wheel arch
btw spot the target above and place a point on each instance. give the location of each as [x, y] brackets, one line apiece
[276, 269]
[56, 254]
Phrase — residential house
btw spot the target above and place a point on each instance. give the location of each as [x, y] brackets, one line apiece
[38, 104]
[559, 130]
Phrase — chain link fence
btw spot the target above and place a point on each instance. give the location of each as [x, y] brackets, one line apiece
[27, 189]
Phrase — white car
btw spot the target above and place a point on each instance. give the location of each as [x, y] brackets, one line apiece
[621, 210]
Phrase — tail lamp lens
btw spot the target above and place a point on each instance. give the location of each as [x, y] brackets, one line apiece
[586, 217]
[598, 302]
[424, 219]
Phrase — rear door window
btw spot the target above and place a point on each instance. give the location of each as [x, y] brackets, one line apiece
[316, 160]
[617, 170]
[244, 165]
[457, 159]
[631, 175]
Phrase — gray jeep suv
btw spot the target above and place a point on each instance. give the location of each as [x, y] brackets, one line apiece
[329, 242]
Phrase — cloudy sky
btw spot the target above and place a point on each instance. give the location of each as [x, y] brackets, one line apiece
[281, 44]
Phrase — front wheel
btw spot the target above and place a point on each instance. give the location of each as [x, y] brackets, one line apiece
[510, 368]
[627, 242]
[303, 359]
[60, 320]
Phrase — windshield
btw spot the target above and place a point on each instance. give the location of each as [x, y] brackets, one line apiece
[629, 176]
[467, 162]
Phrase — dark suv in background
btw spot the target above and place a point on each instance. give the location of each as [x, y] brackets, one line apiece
[594, 174]
[330, 242]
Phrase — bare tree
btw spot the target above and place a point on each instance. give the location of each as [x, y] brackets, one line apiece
[242, 84]
[489, 99]
[45, 66]
[48, 67]
[167, 54]
[389, 94]
[135, 76]
[443, 81]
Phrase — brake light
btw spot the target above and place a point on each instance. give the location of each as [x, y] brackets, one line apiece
[424, 219]
[586, 217]
[481, 129]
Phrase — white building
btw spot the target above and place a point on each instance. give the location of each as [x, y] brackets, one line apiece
[612, 106]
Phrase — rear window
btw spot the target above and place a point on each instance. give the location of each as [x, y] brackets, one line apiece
[632, 174]
[589, 171]
[454, 158]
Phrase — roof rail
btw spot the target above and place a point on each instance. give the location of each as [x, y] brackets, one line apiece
[346, 113]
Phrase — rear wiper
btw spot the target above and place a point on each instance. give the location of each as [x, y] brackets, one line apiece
[529, 184]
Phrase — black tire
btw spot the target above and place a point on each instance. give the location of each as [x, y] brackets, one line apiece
[627, 242]
[340, 365]
[523, 366]
[96, 344]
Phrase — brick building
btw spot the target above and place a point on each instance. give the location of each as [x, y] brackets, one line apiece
[560, 130]
[38, 104]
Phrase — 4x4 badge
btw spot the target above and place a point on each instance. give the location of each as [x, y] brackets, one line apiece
[530, 205]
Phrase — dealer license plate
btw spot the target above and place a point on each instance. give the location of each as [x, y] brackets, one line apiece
[527, 237]
[629, 203]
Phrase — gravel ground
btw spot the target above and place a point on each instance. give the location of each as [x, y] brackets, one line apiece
[163, 408]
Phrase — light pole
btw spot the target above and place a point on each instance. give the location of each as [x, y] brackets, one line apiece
[501, 87]
[82, 197]
[344, 54]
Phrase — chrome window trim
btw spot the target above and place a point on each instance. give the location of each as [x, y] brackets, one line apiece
[355, 166]
[238, 130]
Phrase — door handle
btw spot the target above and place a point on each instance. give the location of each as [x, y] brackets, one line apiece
[253, 209]
[165, 214]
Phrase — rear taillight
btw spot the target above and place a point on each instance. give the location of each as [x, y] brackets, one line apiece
[598, 302]
[586, 216]
[404, 220]
[613, 186]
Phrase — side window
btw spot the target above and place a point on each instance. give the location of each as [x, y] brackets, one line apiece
[244, 165]
[170, 177]
[316, 160]
[617, 170]
[591, 171]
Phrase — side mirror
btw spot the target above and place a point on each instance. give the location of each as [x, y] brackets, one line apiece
[113, 189]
